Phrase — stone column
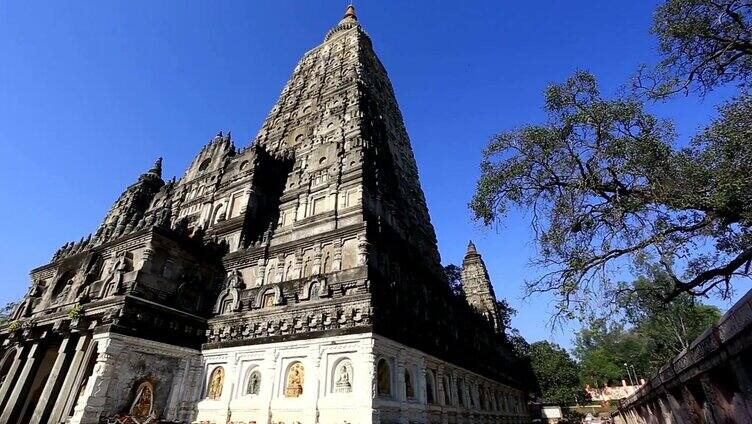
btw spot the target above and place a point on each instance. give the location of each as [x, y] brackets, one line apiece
[743, 374]
[22, 384]
[94, 396]
[364, 379]
[676, 407]
[15, 367]
[74, 370]
[715, 399]
[54, 382]
[337, 256]
[270, 364]
[422, 393]
[317, 269]
[318, 376]
[261, 273]
[400, 393]
[180, 387]
[440, 397]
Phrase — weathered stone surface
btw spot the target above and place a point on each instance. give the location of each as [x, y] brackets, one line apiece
[710, 380]
[318, 232]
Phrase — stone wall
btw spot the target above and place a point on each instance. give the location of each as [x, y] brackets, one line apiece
[122, 363]
[358, 378]
[710, 382]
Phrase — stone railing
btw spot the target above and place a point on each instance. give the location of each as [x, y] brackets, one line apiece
[710, 382]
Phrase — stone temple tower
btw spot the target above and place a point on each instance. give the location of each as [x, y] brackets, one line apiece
[477, 285]
[294, 280]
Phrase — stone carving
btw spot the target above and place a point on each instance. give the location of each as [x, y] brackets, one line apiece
[344, 378]
[295, 379]
[143, 405]
[66, 288]
[142, 409]
[114, 280]
[216, 383]
[254, 383]
[353, 210]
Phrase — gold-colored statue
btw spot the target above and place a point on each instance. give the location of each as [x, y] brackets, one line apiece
[295, 378]
[142, 405]
[216, 381]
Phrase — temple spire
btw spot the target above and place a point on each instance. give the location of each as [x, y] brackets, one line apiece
[157, 168]
[350, 12]
[479, 292]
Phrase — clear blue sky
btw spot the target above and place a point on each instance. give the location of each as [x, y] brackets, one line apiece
[92, 92]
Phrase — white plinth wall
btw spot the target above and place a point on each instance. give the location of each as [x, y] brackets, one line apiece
[415, 391]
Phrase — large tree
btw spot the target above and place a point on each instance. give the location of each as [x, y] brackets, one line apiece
[604, 350]
[611, 187]
[650, 334]
[557, 373]
[606, 183]
[666, 329]
[703, 44]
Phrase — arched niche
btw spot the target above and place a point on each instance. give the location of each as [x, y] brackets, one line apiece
[294, 380]
[270, 296]
[383, 378]
[315, 288]
[215, 383]
[342, 376]
[253, 381]
[430, 387]
[229, 298]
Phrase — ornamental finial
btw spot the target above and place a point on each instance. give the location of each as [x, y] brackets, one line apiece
[157, 168]
[350, 12]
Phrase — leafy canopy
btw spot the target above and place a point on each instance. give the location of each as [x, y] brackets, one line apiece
[557, 373]
[703, 44]
[6, 312]
[608, 187]
[657, 331]
[604, 351]
[666, 328]
[608, 184]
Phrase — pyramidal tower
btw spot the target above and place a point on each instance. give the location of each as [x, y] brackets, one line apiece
[477, 286]
[295, 280]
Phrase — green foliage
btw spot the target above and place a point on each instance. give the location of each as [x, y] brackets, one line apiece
[520, 346]
[608, 188]
[666, 329]
[557, 373]
[453, 274]
[658, 332]
[506, 312]
[608, 185]
[703, 44]
[76, 312]
[6, 312]
[603, 349]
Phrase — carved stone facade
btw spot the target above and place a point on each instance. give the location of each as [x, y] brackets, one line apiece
[477, 287]
[313, 239]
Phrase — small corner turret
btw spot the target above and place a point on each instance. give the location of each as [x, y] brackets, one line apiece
[477, 285]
